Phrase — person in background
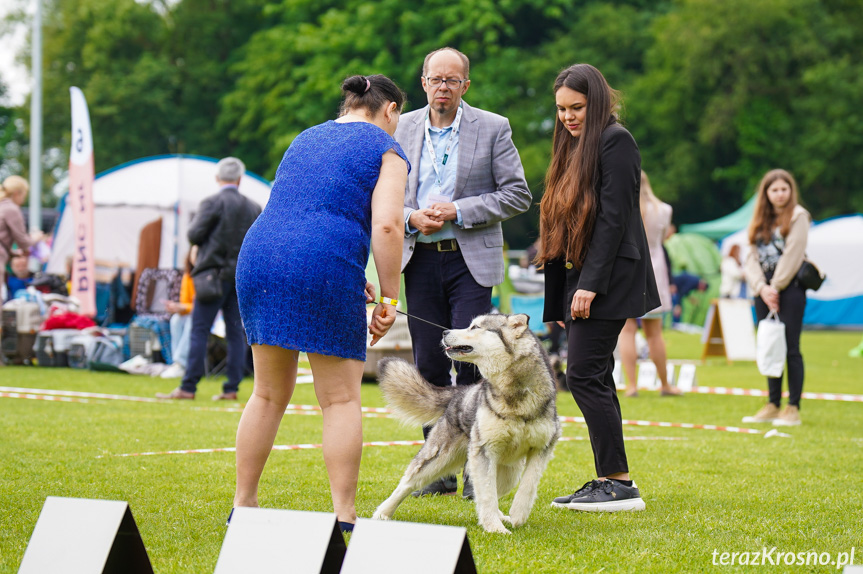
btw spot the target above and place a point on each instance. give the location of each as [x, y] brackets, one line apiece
[597, 268]
[181, 320]
[20, 277]
[657, 220]
[218, 230]
[14, 239]
[682, 284]
[778, 234]
[468, 178]
[302, 286]
[731, 271]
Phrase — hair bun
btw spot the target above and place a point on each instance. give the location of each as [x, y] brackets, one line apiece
[355, 84]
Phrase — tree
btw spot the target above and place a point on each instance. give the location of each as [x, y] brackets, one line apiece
[111, 50]
[734, 88]
[205, 38]
[12, 139]
[289, 75]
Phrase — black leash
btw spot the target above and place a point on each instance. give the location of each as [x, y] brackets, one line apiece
[419, 319]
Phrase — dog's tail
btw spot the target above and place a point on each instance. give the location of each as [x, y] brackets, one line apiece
[412, 399]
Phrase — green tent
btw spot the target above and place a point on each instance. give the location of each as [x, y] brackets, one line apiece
[697, 255]
[719, 228]
[693, 253]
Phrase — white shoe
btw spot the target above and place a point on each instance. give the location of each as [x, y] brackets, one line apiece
[134, 362]
[175, 371]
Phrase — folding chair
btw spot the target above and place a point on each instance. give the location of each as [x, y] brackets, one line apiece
[150, 328]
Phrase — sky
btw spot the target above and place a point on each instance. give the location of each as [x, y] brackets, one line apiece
[15, 77]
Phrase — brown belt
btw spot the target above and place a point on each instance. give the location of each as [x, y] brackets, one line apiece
[445, 245]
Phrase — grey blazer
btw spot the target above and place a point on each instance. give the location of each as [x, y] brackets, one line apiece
[490, 187]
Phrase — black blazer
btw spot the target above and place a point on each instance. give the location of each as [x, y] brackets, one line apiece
[617, 266]
[218, 230]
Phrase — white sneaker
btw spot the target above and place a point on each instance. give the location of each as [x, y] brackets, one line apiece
[134, 362]
[175, 371]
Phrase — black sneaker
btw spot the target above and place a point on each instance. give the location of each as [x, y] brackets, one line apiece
[602, 496]
[562, 501]
[441, 487]
[467, 492]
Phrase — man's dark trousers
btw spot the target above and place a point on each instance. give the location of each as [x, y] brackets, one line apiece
[439, 288]
[203, 315]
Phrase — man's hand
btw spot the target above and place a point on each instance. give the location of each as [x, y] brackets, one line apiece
[173, 306]
[425, 220]
[444, 212]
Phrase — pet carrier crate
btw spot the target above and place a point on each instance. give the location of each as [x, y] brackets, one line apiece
[52, 347]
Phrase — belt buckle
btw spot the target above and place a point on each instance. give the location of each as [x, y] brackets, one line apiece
[452, 245]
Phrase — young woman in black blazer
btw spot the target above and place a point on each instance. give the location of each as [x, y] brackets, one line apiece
[597, 267]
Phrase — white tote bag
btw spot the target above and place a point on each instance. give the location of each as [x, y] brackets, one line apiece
[770, 346]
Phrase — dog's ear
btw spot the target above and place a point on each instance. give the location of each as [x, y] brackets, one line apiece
[519, 323]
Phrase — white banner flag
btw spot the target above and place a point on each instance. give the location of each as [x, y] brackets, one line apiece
[81, 175]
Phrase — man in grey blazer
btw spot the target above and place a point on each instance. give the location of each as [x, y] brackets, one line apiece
[467, 178]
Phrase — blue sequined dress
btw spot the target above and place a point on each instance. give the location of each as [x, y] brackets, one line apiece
[301, 270]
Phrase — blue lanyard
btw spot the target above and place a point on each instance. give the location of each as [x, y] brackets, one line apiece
[455, 125]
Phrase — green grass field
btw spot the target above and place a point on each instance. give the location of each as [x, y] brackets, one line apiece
[710, 491]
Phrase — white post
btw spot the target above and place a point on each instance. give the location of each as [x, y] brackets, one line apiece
[36, 123]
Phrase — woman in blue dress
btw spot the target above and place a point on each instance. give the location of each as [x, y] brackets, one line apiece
[301, 280]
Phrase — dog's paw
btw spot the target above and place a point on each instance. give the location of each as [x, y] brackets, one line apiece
[505, 518]
[517, 520]
[378, 515]
[498, 528]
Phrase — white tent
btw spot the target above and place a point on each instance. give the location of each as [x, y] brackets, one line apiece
[133, 194]
[836, 247]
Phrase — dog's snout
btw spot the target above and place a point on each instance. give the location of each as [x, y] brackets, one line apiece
[446, 332]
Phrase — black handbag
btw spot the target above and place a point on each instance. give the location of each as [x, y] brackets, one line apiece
[809, 277]
[208, 286]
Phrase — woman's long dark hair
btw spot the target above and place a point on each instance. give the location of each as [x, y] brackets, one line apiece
[568, 208]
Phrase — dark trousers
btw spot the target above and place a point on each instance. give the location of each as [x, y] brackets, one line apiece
[590, 364]
[439, 288]
[792, 304]
[203, 315]
[555, 335]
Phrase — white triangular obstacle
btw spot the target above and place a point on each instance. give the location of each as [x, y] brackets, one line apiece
[81, 536]
[393, 547]
[266, 540]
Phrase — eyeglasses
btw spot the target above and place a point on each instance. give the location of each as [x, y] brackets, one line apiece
[451, 83]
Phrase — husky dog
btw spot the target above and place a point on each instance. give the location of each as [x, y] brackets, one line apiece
[505, 426]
